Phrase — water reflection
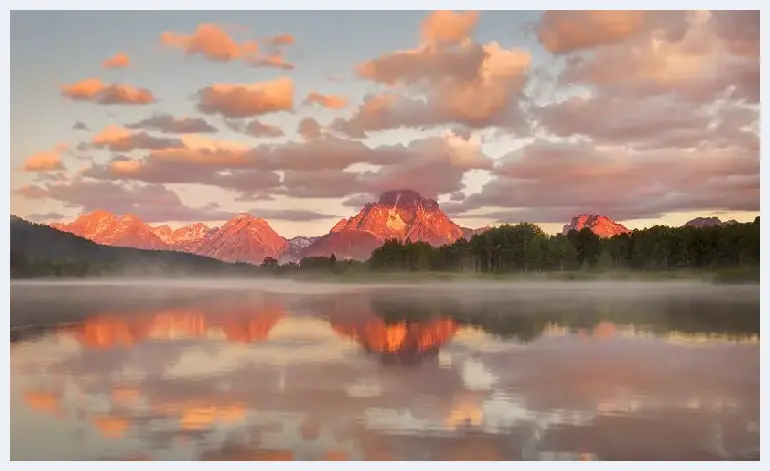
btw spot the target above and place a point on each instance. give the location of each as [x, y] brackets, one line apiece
[384, 374]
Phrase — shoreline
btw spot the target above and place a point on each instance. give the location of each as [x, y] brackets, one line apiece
[743, 277]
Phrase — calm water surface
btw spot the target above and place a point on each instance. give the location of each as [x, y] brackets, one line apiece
[309, 372]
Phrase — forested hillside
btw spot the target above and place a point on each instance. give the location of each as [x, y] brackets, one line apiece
[38, 250]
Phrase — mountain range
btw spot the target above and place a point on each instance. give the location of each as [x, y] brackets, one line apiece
[41, 250]
[403, 215]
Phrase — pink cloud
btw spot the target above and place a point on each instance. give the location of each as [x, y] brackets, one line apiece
[211, 42]
[488, 96]
[647, 123]
[335, 102]
[698, 65]
[46, 161]
[152, 203]
[241, 101]
[565, 31]
[274, 60]
[446, 27]
[122, 140]
[170, 124]
[548, 181]
[317, 167]
[309, 129]
[255, 128]
[93, 90]
[118, 61]
[449, 80]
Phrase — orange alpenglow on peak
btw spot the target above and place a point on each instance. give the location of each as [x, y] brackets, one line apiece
[404, 215]
[599, 225]
[401, 214]
[244, 238]
[106, 228]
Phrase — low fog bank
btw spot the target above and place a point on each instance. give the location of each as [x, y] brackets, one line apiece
[465, 288]
[36, 303]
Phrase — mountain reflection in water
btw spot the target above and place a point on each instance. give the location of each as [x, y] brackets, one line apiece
[383, 374]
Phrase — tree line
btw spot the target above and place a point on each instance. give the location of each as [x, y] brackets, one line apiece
[526, 248]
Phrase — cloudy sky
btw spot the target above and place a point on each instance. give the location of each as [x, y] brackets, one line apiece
[301, 117]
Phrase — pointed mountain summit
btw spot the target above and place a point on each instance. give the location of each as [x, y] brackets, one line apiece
[402, 214]
[599, 225]
[244, 238]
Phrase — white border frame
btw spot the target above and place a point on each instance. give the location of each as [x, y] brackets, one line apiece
[335, 5]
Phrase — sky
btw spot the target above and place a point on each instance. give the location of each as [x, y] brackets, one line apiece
[301, 117]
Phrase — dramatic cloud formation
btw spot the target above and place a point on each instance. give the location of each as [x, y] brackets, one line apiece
[118, 61]
[431, 166]
[553, 182]
[211, 42]
[195, 160]
[652, 123]
[46, 161]
[666, 121]
[335, 102]
[169, 124]
[255, 128]
[451, 80]
[95, 91]
[698, 62]
[241, 101]
[314, 168]
[631, 114]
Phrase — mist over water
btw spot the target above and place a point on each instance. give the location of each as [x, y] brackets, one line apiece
[264, 369]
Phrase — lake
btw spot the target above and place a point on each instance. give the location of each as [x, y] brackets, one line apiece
[262, 370]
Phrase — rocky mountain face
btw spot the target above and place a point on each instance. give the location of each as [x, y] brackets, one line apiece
[708, 222]
[243, 239]
[297, 248]
[403, 215]
[184, 239]
[599, 225]
[353, 244]
[106, 228]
